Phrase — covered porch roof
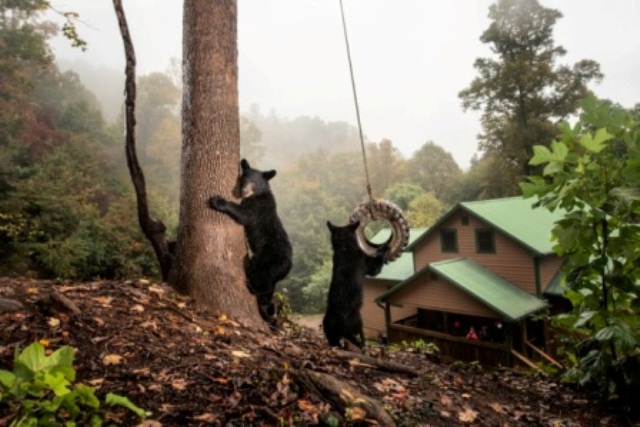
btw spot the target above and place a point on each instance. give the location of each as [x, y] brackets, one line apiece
[481, 284]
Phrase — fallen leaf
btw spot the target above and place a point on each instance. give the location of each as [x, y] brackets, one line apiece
[467, 416]
[45, 342]
[104, 301]
[497, 407]
[307, 406]
[138, 308]
[179, 384]
[32, 291]
[150, 324]
[446, 400]
[156, 289]
[355, 413]
[207, 417]
[53, 322]
[240, 353]
[149, 423]
[111, 359]
[142, 371]
[97, 382]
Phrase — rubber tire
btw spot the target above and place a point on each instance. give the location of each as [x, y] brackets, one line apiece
[379, 209]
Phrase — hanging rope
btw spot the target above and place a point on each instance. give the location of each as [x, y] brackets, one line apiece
[355, 98]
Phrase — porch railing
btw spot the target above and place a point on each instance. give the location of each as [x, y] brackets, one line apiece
[454, 348]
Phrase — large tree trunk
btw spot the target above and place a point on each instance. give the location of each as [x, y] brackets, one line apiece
[210, 248]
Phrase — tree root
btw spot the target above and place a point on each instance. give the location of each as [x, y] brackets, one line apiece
[385, 365]
[343, 397]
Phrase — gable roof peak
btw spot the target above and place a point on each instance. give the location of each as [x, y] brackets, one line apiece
[516, 216]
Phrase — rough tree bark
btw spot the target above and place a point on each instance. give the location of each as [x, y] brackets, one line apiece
[208, 263]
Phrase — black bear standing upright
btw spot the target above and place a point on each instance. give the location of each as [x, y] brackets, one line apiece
[270, 249]
[350, 264]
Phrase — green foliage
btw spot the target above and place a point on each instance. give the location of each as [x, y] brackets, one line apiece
[40, 391]
[315, 293]
[403, 193]
[522, 93]
[418, 346]
[592, 171]
[425, 210]
[434, 170]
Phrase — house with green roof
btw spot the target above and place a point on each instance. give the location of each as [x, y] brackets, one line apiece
[486, 266]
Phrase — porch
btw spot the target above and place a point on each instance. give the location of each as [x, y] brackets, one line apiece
[496, 344]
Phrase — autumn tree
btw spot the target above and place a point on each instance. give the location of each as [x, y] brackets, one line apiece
[522, 93]
[386, 166]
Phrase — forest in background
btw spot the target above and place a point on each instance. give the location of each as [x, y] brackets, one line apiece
[66, 200]
[67, 209]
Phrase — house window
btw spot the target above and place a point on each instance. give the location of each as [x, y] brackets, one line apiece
[485, 241]
[449, 240]
[465, 220]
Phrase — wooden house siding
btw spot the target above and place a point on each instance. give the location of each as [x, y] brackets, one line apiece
[438, 295]
[373, 315]
[511, 261]
[549, 266]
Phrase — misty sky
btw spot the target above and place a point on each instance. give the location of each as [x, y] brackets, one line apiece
[411, 57]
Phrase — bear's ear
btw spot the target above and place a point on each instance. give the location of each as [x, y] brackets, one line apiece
[268, 174]
[331, 226]
[354, 226]
[244, 164]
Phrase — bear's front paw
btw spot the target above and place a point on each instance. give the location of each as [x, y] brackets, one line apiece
[217, 203]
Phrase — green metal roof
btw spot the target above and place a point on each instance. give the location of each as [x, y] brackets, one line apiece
[488, 288]
[514, 216]
[517, 217]
[384, 235]
[402, 267]
[399, 269]
[483, 285]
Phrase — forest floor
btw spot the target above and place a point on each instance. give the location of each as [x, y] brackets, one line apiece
[189, 368]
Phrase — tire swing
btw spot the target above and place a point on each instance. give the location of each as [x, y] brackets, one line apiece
[375, 209]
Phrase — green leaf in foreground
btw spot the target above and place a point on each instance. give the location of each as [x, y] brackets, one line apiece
[117, 400]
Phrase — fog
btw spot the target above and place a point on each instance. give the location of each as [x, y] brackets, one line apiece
[411, 57]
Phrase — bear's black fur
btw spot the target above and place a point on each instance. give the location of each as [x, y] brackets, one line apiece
[350, 265]
[270, 249]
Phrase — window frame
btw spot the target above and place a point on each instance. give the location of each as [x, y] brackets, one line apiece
[452, 232]
[492, 234]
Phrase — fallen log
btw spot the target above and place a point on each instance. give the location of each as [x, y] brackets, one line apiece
[385, 365]
[343, 397]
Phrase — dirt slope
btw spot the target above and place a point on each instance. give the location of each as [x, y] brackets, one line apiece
[190, 368]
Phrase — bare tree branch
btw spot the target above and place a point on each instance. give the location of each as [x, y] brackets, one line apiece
[152, 228]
